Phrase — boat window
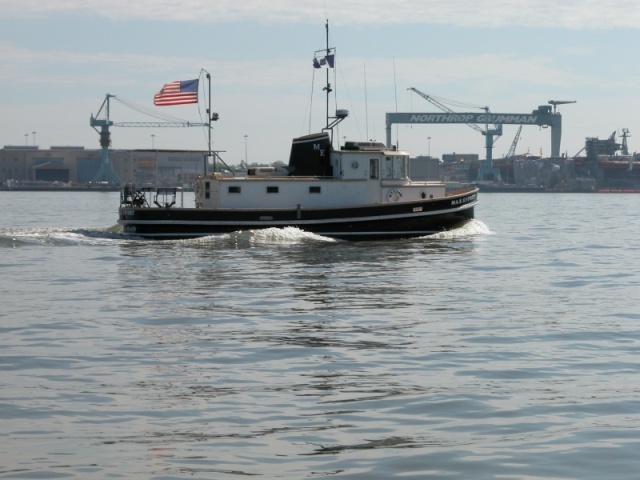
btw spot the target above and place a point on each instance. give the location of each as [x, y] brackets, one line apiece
[272, 189]
[399, 167]
[388, 167]
[234, 189]
[314, 189]
[374, 168]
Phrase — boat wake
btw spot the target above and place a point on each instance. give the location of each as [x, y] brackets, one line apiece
[287, 235]
[471, 229]
[267, 236]
[296, 236]
[15, 237]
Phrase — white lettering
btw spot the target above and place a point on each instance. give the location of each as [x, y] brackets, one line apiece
[512, 119]
[460, 201]
[441, 118]
[317, 146]
[495, 118]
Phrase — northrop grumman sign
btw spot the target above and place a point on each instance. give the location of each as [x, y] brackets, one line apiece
[473, 118]
[542, 116]
[535, 118]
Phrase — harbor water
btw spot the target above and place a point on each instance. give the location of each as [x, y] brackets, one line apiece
[507, 349]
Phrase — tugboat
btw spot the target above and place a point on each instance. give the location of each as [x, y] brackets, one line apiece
[361, 191]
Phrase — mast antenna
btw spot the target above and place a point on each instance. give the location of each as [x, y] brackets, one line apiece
[211, 117]
[326, 58]
[327, 88]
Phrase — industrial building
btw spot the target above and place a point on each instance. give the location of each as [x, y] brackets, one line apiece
[78, 166]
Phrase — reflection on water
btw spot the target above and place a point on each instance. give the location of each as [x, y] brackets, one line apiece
[332, 275]
[391, 442]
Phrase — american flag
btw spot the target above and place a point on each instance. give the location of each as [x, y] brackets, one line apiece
[177, 93]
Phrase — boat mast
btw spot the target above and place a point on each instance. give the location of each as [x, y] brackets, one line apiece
[208, 156]
[327, 88]
[328, 61]
[211, 117]
[209, 122]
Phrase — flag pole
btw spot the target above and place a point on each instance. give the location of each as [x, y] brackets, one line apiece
[209, 119]
[209, 116]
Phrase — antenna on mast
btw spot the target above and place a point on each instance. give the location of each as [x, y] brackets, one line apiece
[326, 58]
[211, 117]
[327, 87]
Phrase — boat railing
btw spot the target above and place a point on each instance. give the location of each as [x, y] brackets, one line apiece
[133, 197]
[461, 191]
[144, 197]
[165, 197]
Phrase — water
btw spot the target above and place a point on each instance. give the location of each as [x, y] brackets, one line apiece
[506, 349]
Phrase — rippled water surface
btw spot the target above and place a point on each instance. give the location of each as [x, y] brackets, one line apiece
[507, 349]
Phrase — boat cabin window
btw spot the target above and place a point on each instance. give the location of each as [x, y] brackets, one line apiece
[399, 167]
[272, 189]
[374, 168]
[388, 167]
[395, 167]
[314, 189]
[207, 189]
[234, 189]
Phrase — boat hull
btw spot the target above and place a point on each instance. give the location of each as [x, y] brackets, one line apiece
[392, 220]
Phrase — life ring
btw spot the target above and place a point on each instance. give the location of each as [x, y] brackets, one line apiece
[394, 195]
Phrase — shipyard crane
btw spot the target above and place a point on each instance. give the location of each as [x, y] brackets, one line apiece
[541, 116]
[555, 103]
[106, 173]
[444, 108]
[512, 149]
[487, 166]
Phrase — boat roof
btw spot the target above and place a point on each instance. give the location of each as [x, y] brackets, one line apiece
[371, 146]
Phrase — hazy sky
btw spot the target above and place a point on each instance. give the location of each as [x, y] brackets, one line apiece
[60, 58]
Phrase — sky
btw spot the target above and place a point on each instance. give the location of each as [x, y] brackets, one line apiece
[60, 58]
